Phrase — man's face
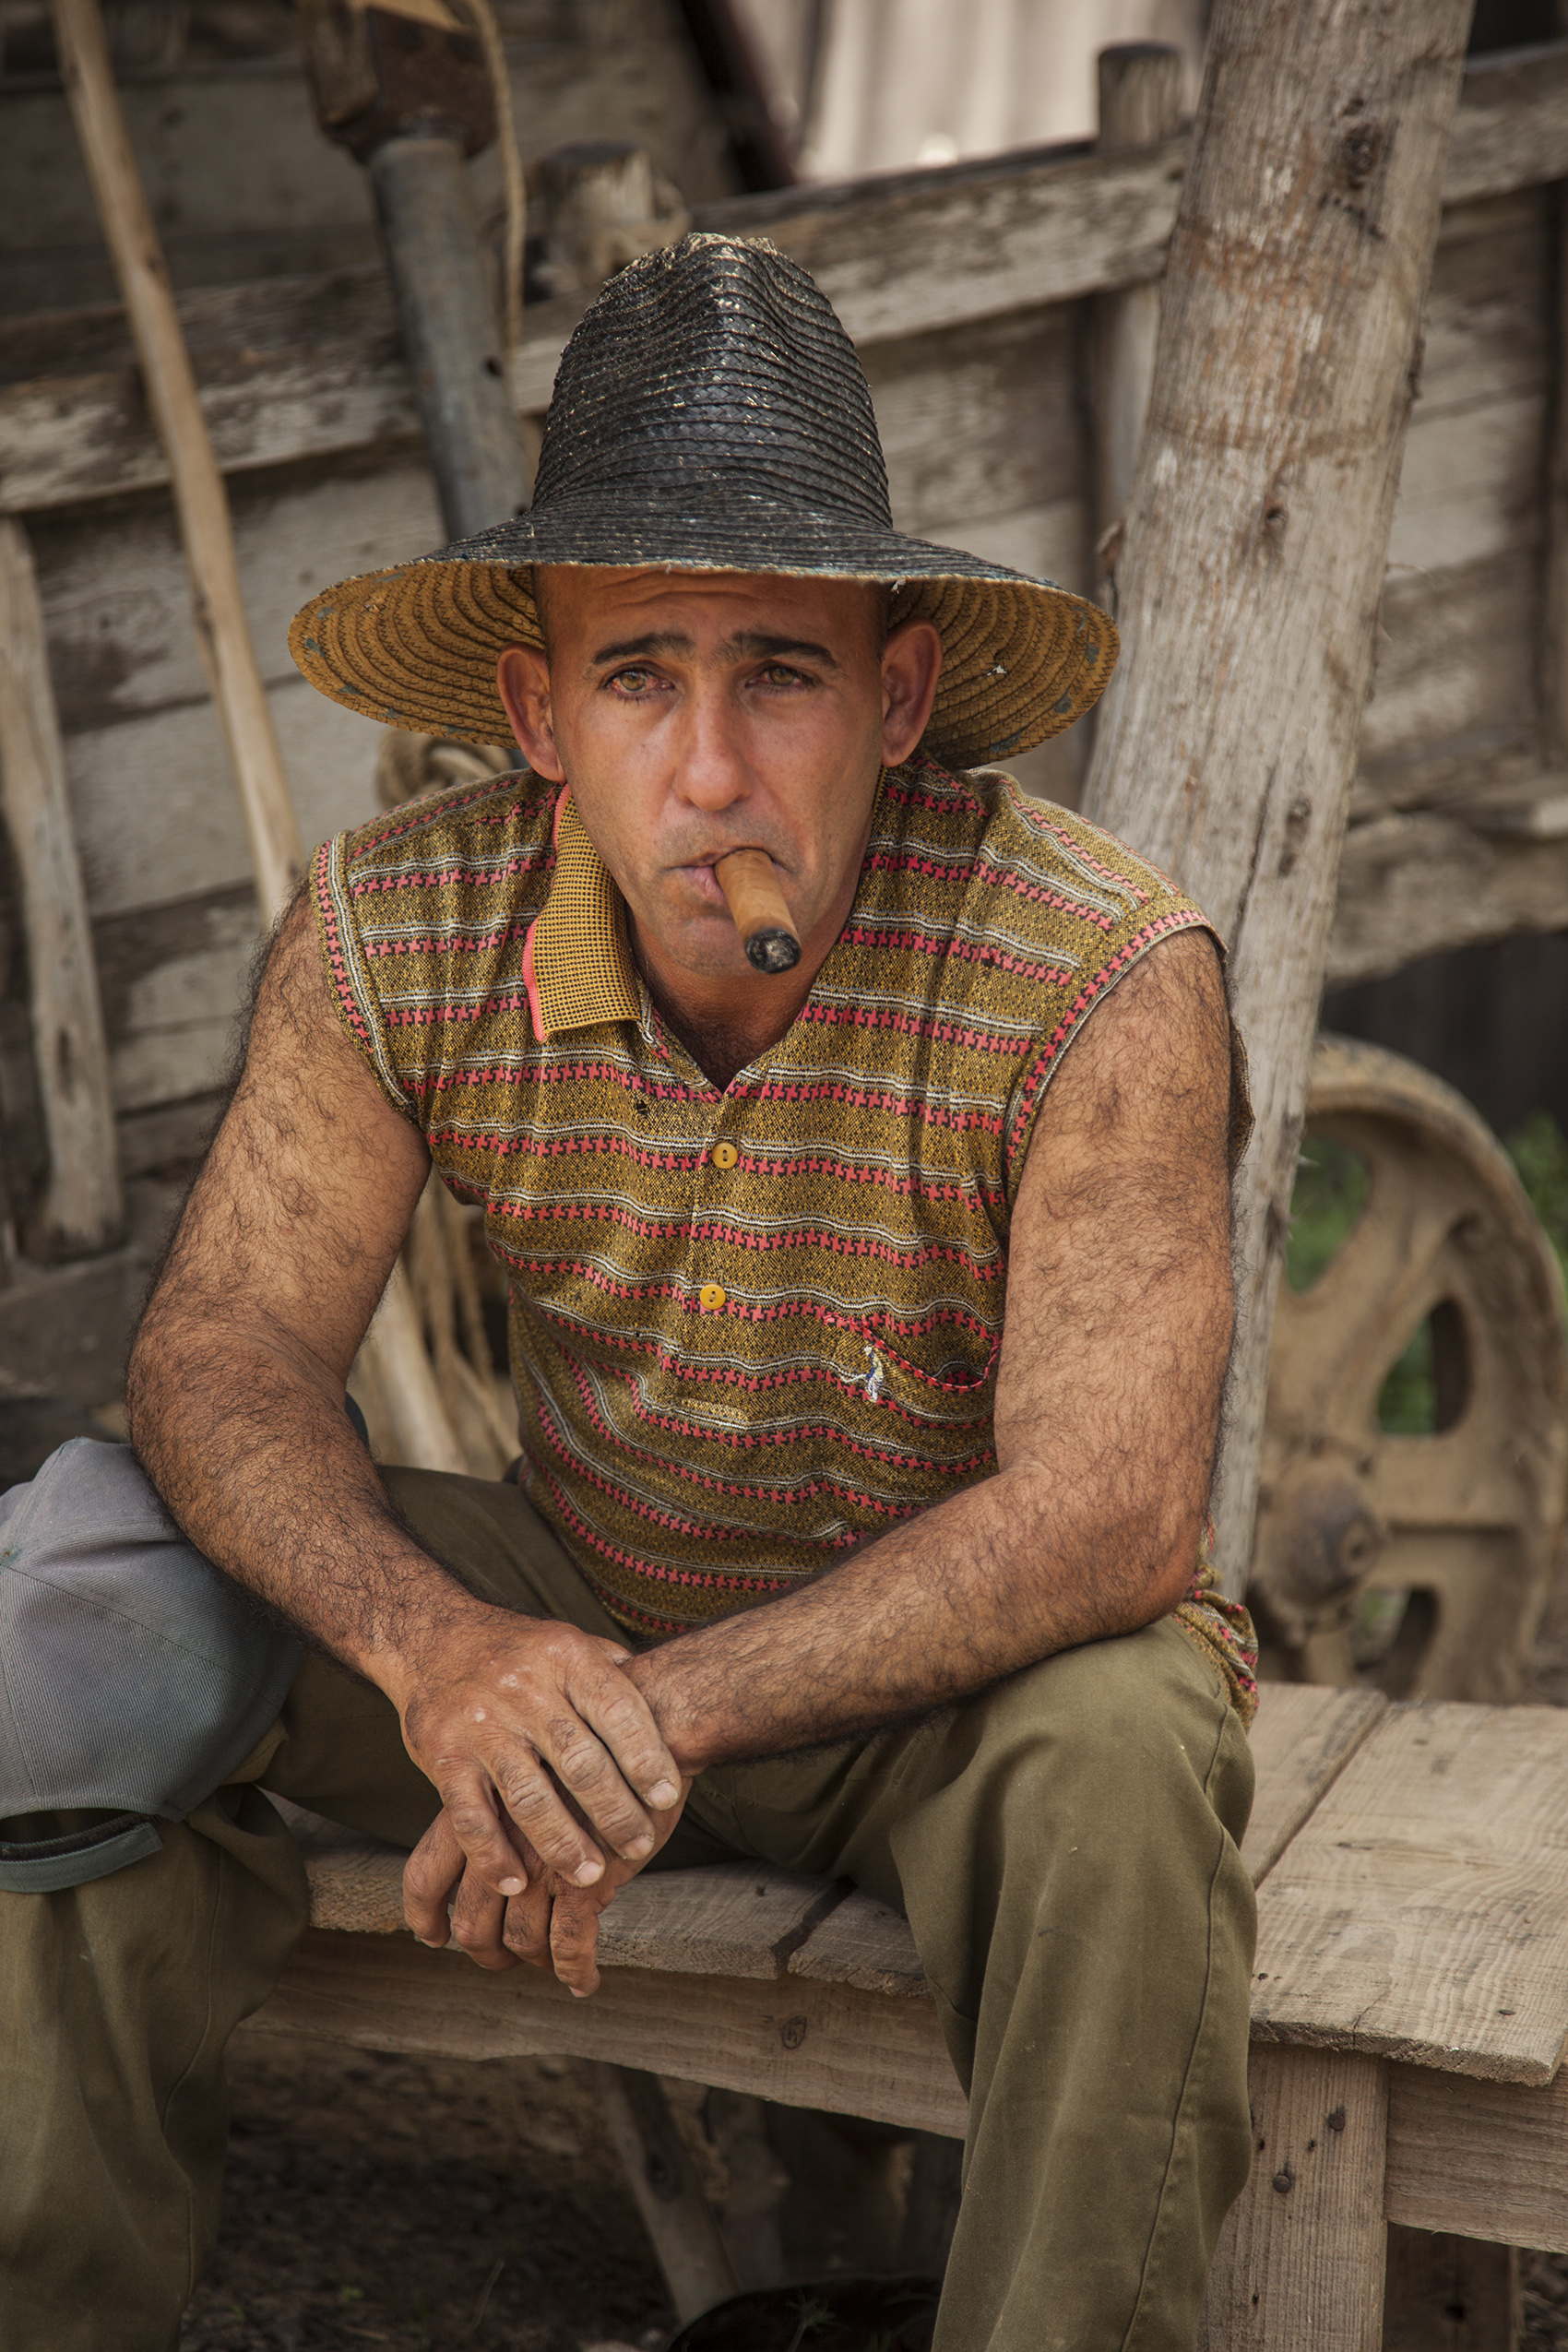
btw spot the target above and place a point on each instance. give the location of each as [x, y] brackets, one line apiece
[697, 713]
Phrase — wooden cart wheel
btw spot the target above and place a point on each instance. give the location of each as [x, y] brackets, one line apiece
[1465, 1520]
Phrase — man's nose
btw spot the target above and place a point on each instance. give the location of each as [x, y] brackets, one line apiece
[712, 770]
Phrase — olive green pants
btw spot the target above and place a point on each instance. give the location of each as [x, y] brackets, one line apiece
[1064, 1847]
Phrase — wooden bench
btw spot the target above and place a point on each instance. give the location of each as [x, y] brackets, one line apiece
[1409, 2014]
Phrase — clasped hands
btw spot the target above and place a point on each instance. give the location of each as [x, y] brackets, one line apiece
[557, 1787]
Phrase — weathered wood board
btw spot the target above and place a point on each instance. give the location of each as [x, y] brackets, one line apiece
[1421, 1913]
[809, 2045]
[1303, 1737]
[1300, 2264]
[1481, 2159]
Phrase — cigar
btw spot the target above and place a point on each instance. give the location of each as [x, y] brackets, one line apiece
[751, 894]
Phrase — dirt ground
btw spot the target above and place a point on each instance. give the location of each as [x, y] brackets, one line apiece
[401, 2202]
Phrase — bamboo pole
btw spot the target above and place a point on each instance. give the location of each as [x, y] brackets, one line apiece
[200, 498]
[1257, 536]
[83, 1211]
[401, 1368]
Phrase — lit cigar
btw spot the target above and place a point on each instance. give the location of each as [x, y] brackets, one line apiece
[751, 894]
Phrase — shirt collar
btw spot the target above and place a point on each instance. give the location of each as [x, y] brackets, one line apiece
[577, 964]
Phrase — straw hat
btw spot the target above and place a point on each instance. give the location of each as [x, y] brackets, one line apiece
[709, 414]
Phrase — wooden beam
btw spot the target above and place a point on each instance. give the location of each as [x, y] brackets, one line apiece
[1257, 541]
[83, 1211]
[308, 367]
[1480, 2159]
[809, 2045]
[1300, 2266]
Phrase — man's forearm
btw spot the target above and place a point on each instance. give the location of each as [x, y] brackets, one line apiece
[990, 1581]
[245, 1436]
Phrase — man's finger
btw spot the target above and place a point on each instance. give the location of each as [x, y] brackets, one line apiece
[612, 1705]
[531, 1800]
[479, 1923]
[430, 1873]
[574, 1942]
[527, 1930]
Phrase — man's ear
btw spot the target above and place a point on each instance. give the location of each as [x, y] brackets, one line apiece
[911, 664]
[522, 679]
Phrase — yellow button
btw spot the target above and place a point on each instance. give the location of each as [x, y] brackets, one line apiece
[712, 1296]
[724, 1155]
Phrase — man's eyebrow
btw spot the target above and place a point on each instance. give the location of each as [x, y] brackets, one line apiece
[761, 642]
[656, 641]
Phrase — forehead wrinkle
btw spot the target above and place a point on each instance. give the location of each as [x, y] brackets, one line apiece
[741, 644]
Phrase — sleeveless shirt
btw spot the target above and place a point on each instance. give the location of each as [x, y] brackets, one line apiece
[748, 1329]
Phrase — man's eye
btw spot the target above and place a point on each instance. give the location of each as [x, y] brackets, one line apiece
[779, 673]
[635, 682]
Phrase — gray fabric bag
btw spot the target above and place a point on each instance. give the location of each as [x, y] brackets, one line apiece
[134, 1677]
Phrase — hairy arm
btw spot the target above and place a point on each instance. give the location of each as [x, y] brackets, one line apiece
[236, 1405]
[1117, 1335]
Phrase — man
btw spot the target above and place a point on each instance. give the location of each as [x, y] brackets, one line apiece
[869, 1324]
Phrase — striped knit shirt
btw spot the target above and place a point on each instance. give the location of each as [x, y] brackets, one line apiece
[750, 1328]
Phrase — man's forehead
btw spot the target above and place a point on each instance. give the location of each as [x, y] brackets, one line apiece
[588, 595]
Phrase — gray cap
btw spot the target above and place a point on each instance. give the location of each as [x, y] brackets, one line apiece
[134, 1676]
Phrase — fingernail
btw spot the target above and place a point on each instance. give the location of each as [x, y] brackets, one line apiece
[663, 1795]
[511, 1886]
[638, 1847]
[586, 1874]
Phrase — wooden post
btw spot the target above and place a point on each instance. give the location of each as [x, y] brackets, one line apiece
[82, 1211]
[200, 499]
[1300, 2266]
[1140, 104]
[664, 2182]
[1257, 535]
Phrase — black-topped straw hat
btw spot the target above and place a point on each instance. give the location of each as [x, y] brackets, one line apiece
[709, 414]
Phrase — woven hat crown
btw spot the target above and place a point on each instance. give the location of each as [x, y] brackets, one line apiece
[720, 366]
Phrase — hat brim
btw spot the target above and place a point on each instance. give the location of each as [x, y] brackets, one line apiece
[416, 645]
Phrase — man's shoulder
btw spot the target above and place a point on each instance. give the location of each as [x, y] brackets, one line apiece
[997, 861]
[483, 832]
[1099, 875]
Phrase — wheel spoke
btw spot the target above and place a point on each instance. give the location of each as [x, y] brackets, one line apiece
[1347, 1332]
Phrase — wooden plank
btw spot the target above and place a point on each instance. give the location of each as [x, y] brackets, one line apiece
[866, 1943]
[117, 601]
[1303, 1738]
[1481, 2159]
[1300, 2266]
[1421, 1913]
[1470, 487]
[1512, 127]
[150, 827]
[729, 1919]
[1455, 680]
[809, 2045]
[980, 419]
[1414, 886]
